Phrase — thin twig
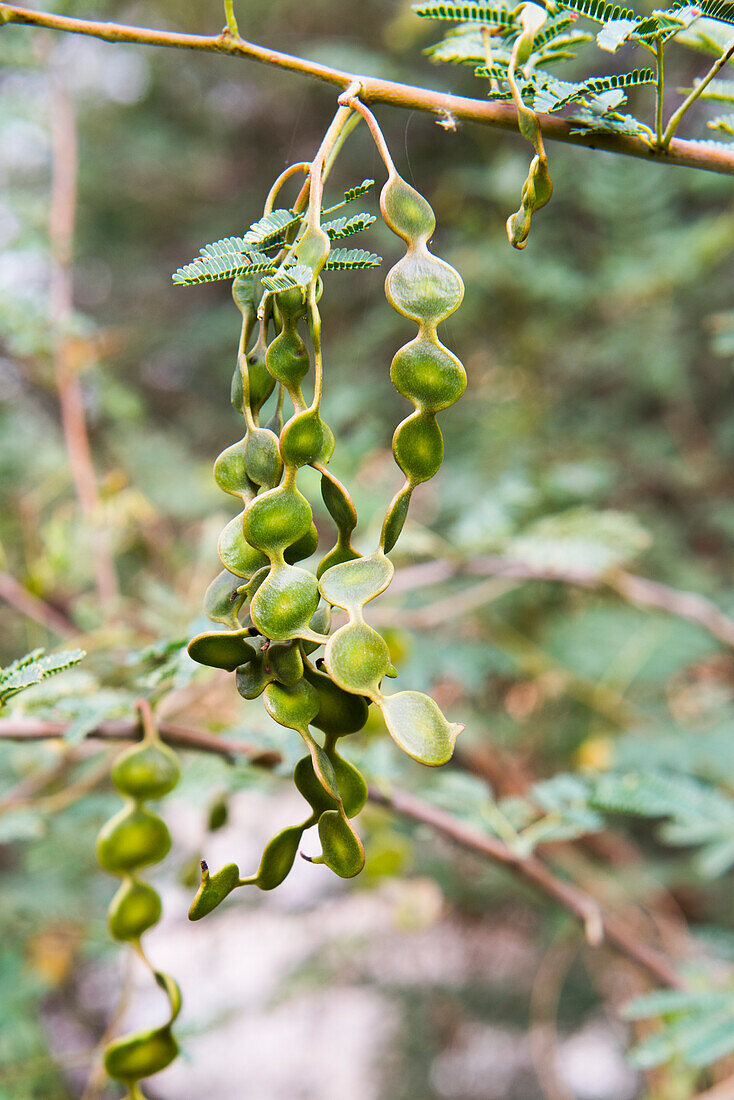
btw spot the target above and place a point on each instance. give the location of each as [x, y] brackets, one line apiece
[231, 18]
[129, 729]
[528, 868]
[637, 590]
[677, 115]
[659, 89]
[598, 926]
[374, 90]
[14, 594]
[71, 398]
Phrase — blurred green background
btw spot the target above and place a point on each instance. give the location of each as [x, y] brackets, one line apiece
[597, 432]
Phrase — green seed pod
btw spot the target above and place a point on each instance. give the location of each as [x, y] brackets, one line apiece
[340, 712]
[285, 603]
[237, 392]
[230, 473]
[278, 857]
[134, 909]
[418, 447]
[406, 211]
[342, 849]
[263, 463]
[291, 304]
[428, 374]
[313, 248]
[536, 192]
[355, 583]
[320, 624]
[146, 771]
[294, 707]
[218, 815]
[243, 295]
[338, 555]
[351, 783]
[338, 502]
[427, 290]
[276, 530]
[141, 1055]
[223, 600]
[357, 658]
[424, 288]
[395, 517]
[310, 786]
[341, 509]
[133, 838]
[541, 182]
[235, 553]
[286, 662]
[416, 724]
[253, 678]
[213, 889]
[222, 648]
[288, 360]
[260, 382]
[306, 439]
[303, 547]
[277, 519]
[255, 581]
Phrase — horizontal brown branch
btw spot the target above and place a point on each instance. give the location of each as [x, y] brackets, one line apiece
[640, 591]
[530, 869]
[128, 729]
[502, 116]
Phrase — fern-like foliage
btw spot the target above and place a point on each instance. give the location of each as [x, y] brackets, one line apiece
[287, 278]
[664, 25]
[697, 1027]
[212, 267]
[586, 121]
[724, 123]
[34, 667]
[461, 46]
[271, 229]
[231, 257]
[345, 227]
[353, 193]
[342, 259]
[599, 11]
[721, 10]
[493, 14]
[595, 86]
[227, 246]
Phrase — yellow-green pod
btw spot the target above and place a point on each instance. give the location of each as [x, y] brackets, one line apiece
[133, 838]
[134, 909]
[146, 771]
[278, 857]
[141, 1055]
[341, 847]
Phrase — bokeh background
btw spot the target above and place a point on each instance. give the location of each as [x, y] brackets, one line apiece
[597, 433]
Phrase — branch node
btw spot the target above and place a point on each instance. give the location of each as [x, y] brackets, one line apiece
[354, 90]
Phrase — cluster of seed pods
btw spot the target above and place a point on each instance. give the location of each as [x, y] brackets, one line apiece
[135, 838]
[277, 613]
